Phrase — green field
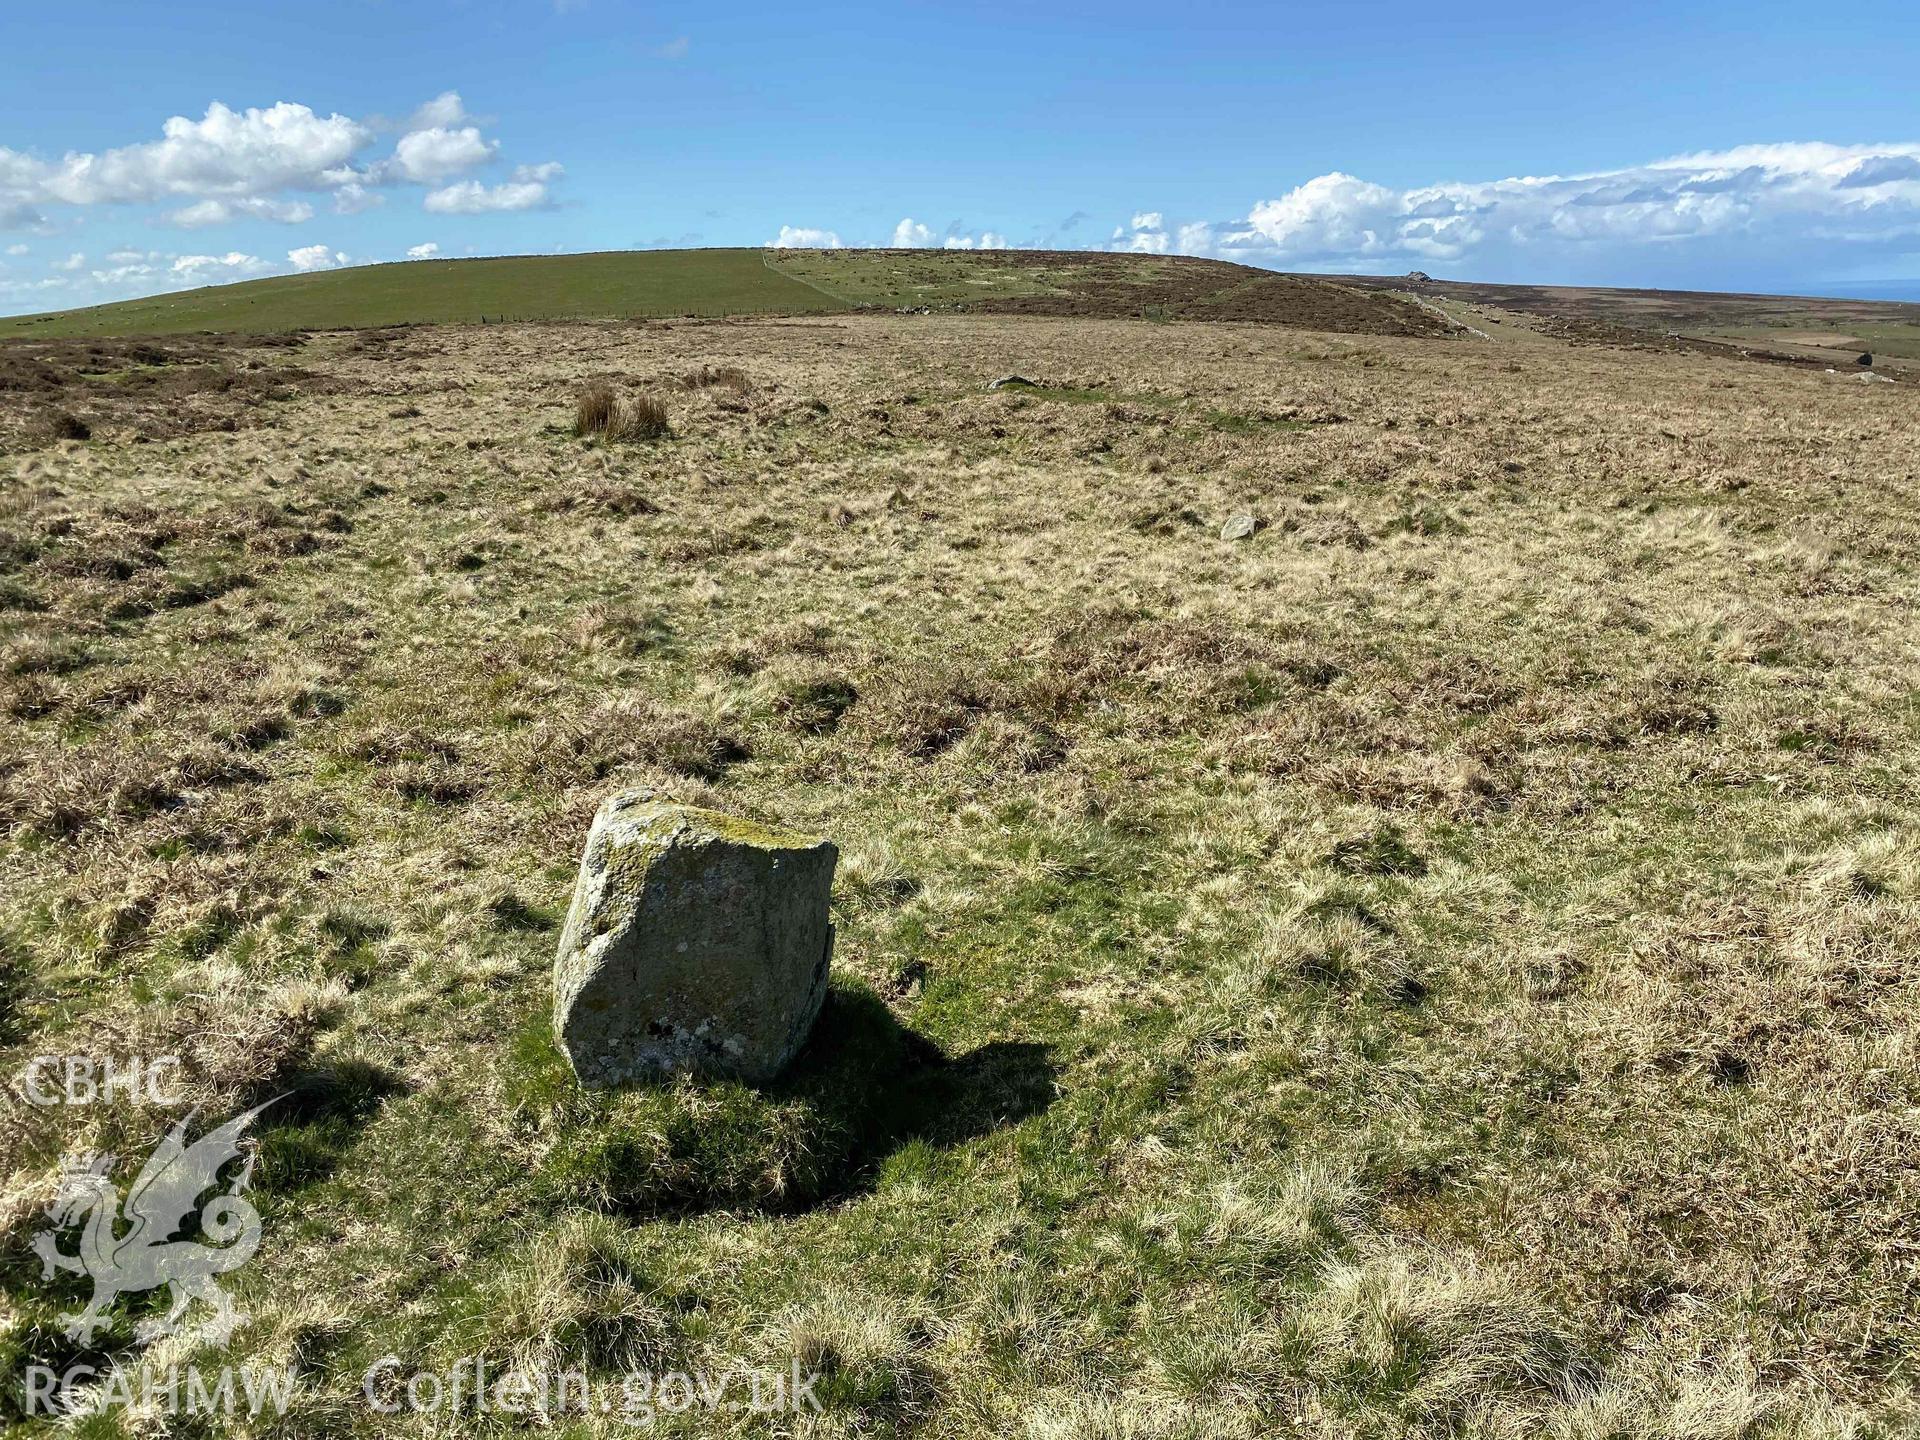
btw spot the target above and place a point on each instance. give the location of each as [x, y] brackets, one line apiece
[942, 278]
[630, 283]
[521, 287]
[1880, 338]
[611, 285]
[621, 284]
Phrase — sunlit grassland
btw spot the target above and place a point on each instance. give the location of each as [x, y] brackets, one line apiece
[1441, 965]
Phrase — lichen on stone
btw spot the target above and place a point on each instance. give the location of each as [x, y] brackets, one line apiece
[697, 941]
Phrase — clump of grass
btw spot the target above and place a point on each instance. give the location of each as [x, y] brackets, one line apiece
[619, 630]
[871, 874]
[1436, 1337]
[595, 410]
[600, 412]
[642, 418]
[863, 1087]
[38, 656]
[871, 1358]
[724, 377]
[233, 1043]
[680, 1147]
[576, 1298]
[807, 639]
[601, 743]
[603, 498]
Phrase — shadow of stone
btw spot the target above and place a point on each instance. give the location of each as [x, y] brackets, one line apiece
[307, 1133]
[885, 1086]
[863, 1087]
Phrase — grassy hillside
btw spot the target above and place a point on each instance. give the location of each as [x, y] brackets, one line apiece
[1093, 284]
[1097, 284]
[518, 287]
[735, 282]
[1441, 967]
[942, 279]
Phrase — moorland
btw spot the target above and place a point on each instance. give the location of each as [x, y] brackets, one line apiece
[1440, 964]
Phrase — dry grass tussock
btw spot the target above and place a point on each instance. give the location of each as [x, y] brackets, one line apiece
[1441, 965]
[600, 411]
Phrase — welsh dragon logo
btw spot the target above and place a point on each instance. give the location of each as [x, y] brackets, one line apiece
[130, 1248]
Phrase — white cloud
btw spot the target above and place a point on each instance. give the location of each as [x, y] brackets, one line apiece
[437, 153]
[527, 190]
[1145, 234]
[804, 237]
[1715, 220]
[910, 234]
[262, 163]
[75, 261]
[129, 272]
[213, 269]
[223, 212]
[353, 197]
[142, 277]
[674, 49]
[1332, 215]
[443, 111]
[423, 252]
[1193, 239]
[226, 153]
[205, 212]
[470, 197]
[18, 249]
[32, 289]
[315, 257]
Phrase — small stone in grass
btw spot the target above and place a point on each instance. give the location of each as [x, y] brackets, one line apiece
[1239, 527]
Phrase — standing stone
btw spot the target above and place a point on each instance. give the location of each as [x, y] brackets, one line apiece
[697, 942]
[1239, 527]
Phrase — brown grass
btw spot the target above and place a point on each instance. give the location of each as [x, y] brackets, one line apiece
[643, 417]
[1442, 965]
[150, 389]
[724, 377]
[62, 425]
[595, 411]
[602, 411]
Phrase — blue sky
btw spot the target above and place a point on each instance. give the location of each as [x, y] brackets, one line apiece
[1763, 146]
